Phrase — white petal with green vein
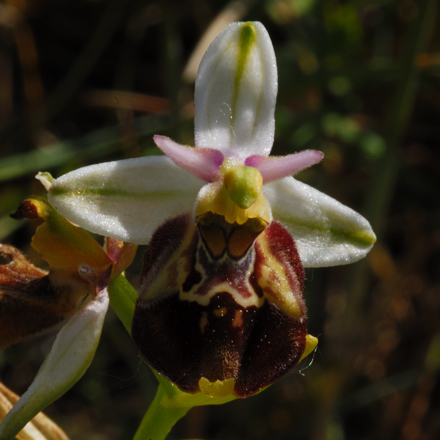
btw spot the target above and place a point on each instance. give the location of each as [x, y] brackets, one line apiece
[127, 199]
[70, 356]
[235, 92]
[326, 232]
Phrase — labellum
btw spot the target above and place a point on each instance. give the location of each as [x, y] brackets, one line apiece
[220, 307]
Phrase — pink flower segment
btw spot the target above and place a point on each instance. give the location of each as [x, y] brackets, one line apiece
[205, 163]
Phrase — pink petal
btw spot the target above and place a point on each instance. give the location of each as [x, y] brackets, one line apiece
[274, 168]
[203, 163]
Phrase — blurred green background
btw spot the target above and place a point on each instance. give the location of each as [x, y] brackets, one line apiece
[88, 81]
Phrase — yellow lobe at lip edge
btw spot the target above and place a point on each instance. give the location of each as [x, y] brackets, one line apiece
[217, 389]
[311, 343]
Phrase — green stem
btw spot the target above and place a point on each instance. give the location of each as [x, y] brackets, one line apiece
[160, 417]
[122, 300]
[170, 404]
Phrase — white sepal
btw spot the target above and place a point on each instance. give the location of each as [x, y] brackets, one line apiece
[235, 92]
[70, 356]
[326, 232]
[127, 199]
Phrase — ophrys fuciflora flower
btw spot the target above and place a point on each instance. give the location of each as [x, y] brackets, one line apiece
[220, 307]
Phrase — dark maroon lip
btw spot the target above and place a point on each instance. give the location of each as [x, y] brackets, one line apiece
[220, 321]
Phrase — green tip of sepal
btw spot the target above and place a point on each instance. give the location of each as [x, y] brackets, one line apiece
[368, 236]
[365, 238]
[247, 40]
[46, 179]
[247, 37]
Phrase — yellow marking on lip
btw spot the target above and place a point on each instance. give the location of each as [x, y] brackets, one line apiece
[274, 280]
[219, 388]
[238, 319]
[222, 311]
[224, 287]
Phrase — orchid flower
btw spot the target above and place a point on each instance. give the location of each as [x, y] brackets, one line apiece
[235, 98]
[220, 308]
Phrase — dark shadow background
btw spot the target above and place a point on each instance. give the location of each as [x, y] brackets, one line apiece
[89, 81]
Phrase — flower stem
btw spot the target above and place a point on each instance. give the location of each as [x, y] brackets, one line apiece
[122, 300]
[160, 417]
[170, 404]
